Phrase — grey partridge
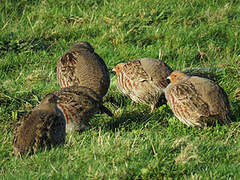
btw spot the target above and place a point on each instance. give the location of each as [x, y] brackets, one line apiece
[143, 80]
[43, 127]
[81, 66]
[197, 101]
[78, 105]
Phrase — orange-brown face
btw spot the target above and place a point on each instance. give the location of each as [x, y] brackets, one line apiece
[118, 68]
[176, 76]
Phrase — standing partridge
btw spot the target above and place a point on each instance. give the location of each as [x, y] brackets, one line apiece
[78, 105]
[197, 101]
[143, 80]
[44, 126]
[81, 66]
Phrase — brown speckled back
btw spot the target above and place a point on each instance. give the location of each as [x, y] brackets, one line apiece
[81, 66]
[197, 101]
[78, 105]
[143, 80]
[44, 126]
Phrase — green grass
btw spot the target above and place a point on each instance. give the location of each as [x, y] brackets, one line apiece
[134, 144]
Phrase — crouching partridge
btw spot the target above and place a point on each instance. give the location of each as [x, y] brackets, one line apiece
[42, 127]
[78, 105]
[81, 66]
[197, 101]
[143, 80]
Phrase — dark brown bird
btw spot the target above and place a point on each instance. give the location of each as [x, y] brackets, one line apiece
[44, 126]
[78, 105]
[143, 80]
[81, 66]
[197, 101]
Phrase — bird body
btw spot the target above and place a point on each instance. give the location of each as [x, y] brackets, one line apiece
[78, 105]
[143, 80]
[81, 66]
[197, 101]
[44, 126]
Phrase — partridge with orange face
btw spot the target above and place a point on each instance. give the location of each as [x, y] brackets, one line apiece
[81, 66]
[143, 80]
[78, 105]
[197, 101]
[44, 126]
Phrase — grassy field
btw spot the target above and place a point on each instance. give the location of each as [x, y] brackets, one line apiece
[134, 144]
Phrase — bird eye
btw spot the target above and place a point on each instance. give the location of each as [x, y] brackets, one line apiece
[168, 81]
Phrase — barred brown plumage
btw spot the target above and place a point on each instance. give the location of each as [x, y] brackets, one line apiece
[143, 80]
[44, 126]
[78, 105]
[81, 66]
[197, 101]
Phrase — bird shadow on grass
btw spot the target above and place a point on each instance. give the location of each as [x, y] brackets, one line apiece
[116, 99]
[15, 105]
[129, 120]
[235, 112]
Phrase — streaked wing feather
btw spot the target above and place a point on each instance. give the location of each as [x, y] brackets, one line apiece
[187, 96]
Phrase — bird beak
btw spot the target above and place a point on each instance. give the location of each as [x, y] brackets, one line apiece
[114, 70]
[169, 77]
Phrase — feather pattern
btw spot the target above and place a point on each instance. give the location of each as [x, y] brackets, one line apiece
[81, 66]
[78, 105]
[197, 101]
[44, 126]
[143, 80]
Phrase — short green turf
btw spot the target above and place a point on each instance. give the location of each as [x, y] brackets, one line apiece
[134, 144]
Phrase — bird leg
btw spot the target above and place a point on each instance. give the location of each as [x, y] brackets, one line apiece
[152, 108]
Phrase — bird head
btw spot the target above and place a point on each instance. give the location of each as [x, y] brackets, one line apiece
[118, 68]
[49, 101]
[83, 45]
[177, 76]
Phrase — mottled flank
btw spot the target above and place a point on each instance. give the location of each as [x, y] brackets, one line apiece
[143, 80]
[78, 105]
[42, 127]
[81, 66]
[197, 101]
